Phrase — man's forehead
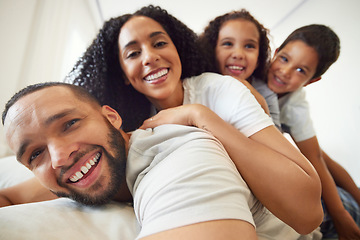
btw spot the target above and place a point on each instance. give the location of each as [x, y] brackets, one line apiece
[33, 109]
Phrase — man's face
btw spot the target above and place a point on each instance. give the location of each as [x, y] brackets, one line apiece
[73, 147]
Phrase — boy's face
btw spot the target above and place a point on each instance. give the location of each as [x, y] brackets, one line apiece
[68, 144]
[292, 67]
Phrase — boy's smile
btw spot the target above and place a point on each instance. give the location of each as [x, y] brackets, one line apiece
[292, 68]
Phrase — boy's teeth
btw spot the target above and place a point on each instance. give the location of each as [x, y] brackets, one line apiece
[84, 169]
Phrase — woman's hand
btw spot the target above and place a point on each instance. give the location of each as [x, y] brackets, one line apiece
[183, 115]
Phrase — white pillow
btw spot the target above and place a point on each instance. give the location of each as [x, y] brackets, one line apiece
[65, 219]
[12, 172]
[61, 218]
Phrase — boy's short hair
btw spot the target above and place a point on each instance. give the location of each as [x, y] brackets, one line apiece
[323, 39]
[78, 91]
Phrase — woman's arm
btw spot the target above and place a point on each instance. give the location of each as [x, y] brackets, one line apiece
[25, 192]
[282, 179]
[344, 224]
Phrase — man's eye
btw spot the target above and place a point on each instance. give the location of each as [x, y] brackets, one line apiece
[34, 155]
[70, 123]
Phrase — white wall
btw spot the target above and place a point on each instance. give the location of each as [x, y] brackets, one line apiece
[42, 38]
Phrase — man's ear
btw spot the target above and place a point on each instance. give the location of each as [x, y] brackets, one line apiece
[112, 115]
[312, 81]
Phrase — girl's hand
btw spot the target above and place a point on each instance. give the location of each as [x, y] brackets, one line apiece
[187, 115]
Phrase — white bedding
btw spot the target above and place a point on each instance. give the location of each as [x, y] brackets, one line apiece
[61, 218]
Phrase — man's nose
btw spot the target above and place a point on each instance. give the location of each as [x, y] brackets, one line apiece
[60, 151]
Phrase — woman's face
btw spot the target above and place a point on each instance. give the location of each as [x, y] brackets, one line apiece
[237, 48]
[292, 67]
[150, 61]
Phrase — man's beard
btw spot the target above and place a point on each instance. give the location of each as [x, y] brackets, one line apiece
[117, 166]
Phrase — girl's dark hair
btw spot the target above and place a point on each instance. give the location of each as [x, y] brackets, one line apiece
[208, 40]
[323, 39]
[99, 70]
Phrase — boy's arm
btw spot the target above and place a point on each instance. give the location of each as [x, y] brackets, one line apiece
[344, 223]
[25, 192]
[342, 177]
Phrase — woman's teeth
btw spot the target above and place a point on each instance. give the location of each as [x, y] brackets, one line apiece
[156, 75]
[84, 169]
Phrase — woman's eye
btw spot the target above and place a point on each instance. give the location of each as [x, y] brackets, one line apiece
[160, 44]
[133, 54]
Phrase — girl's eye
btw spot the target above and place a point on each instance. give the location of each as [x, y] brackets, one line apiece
[226, 44]
[250, 46]
[70, 123]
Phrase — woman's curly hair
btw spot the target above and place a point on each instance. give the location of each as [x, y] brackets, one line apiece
[208, 40]
[99, 70]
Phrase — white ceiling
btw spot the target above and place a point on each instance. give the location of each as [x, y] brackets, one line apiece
[197, 13]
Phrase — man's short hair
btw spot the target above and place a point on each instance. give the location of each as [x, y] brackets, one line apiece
[79, 92]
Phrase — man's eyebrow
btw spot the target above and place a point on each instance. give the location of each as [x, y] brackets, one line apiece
[47, 122]
[22, 149]
[57, 116]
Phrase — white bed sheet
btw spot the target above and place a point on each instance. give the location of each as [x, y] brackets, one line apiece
[60, 218]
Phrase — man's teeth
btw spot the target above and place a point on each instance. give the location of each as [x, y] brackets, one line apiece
[156, 75]
[236, 68]
[84, 169]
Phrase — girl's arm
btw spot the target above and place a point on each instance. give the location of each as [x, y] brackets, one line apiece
[344, 224]
[282, 179]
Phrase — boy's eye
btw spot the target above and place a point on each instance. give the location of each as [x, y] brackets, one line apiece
[284, 59]
[300, 70]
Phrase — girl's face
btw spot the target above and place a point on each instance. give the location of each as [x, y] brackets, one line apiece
[292, 67]
[237, 48]
[150, 61]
